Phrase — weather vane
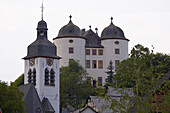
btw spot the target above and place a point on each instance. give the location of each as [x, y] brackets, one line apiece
[42, 9]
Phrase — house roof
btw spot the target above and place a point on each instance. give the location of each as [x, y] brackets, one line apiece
[47, 106]
[92, 40]
[32, 101]
[116, 92]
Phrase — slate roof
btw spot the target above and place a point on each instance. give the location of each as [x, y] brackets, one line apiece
[115, 92]
[41, 47]
[69, 30]
[92, 40]
[112, 32]
[47, 106]
[32, 101]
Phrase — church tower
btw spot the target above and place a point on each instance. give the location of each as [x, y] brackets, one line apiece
[42, 68]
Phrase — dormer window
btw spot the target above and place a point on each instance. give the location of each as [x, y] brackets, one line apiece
[41, 33]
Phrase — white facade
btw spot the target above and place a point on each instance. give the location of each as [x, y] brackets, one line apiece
[78, 54]
[50, 92]
[109, 50]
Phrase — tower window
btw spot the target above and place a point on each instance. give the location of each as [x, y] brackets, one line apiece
[87, 51]
[99, 81]
[117, 51]
[100, 64]
[46, 77]
[94, 52]
[100, 52]
[52, 78]
[94, 64]
[34, 76]
[116, 64]
[71, 50]
[87, 63]
[29, 76]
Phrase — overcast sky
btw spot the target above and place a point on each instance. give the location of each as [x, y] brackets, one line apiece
[146, 22]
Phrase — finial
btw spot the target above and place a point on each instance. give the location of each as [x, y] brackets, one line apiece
[111, 19]
[70, 17]
[90, 26]
[42, 10]
[96, 30]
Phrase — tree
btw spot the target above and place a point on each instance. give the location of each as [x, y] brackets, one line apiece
[141, 72]
[19, 81]
[74, 88]
[10, 99]
[110, 72]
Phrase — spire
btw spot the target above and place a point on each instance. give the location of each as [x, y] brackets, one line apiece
[42, 10]
[70, 18]
[90, 26]
[96, 30]
[111, 20]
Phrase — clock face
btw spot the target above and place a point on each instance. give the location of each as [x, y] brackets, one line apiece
[32, 62]
[49, 61]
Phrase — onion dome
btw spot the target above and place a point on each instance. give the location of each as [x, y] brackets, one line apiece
[70, 30]
[41, 47]
[112, 32]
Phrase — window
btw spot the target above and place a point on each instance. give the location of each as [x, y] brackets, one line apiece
[117, 51]
[94, 52]
[52, 78]
[100, 64]
[89, 80]
[29, 76]
[99, 81]
[100, 52]
[71, 41]
[87, 51]
[94, 64]
[94, 83]
[87, 63]
[32, 76]
[49, 77]
[116, 42]
[71, 50]
[46, 80]
[116, 64]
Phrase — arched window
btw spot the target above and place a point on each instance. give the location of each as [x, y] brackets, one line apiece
[52, 77]
[34, 76]
[29, 76]
[46, 77]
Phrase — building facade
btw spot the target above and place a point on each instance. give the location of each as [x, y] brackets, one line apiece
[92, 51]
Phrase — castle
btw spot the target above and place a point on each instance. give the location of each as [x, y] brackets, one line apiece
[92, 51]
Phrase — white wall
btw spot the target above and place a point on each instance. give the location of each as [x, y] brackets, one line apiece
[109, 50]
[63, 44]
[50, 92]
[96, 72]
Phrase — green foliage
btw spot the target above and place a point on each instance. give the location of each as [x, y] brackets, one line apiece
[19, 81]
[10, 99]
[74, 88]
[141, 72]
[110, 72]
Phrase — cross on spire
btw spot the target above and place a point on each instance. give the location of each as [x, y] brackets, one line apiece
[90, 26]
[111, 19]
[70, 17]
[42, 10]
